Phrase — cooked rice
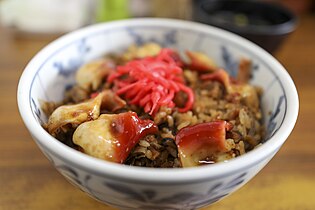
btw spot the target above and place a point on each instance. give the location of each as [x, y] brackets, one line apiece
[212, 102]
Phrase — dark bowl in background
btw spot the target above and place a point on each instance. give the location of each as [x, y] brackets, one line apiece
[265, 24]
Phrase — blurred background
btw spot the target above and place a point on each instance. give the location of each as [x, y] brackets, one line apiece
[46, 18]
[60, 16]
[27, 179]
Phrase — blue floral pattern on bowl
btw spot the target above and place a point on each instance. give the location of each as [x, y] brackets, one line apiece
[69, 68]
[146, 198]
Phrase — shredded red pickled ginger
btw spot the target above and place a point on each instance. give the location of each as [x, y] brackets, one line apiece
[152, 82]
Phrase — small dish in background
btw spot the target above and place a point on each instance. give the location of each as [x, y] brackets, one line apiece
[264, 23]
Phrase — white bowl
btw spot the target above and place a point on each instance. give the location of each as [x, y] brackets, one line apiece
[51, 71]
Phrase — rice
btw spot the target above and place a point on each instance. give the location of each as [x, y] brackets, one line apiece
[211, 103]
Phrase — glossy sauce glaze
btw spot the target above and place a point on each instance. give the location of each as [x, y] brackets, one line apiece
[128, 129]
[198, 144]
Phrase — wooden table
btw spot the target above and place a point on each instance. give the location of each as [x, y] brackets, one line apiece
[28, 180]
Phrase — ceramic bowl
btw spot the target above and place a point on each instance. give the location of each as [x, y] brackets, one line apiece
[52, 70]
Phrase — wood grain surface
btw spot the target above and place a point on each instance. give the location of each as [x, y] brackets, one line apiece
[29, 182]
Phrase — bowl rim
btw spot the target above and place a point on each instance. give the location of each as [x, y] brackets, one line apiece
[141, 175]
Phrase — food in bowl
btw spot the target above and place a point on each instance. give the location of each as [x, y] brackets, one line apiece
[127, 187]
[149, 107]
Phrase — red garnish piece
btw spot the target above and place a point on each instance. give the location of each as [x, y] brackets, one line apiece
[200, 62]
[222, 77]
[152, 82]
[202, 141]
[94, 94]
